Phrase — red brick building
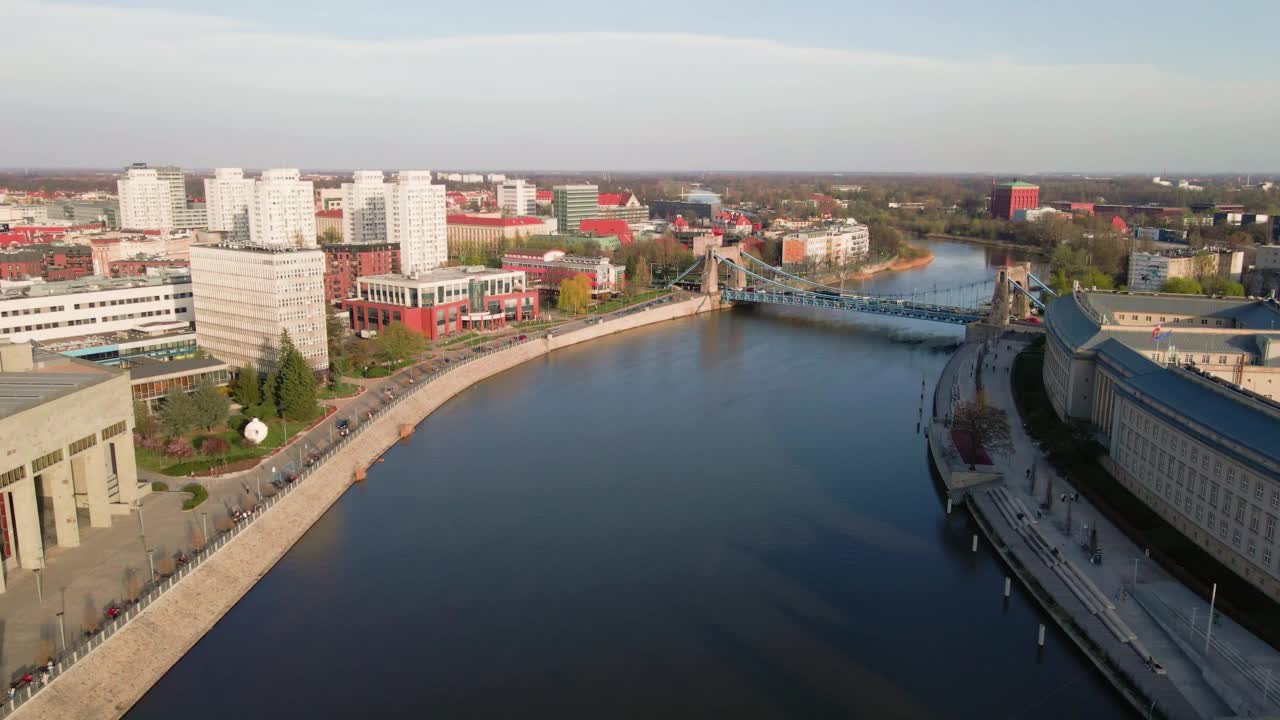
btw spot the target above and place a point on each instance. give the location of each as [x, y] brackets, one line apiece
[344, 263]
[1010, 196]
[51, 262]
[442, 302]
[139, 267]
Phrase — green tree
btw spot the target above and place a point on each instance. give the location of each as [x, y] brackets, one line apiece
[296, 393]
[179, 414]
[144, 423]
[1218, 285]
[247, 389]
[397, 343]
[1185, 286]
[331, 236]
[643, 276]
[335, 330]
[271, 394]
[575, 294]
[211, 406]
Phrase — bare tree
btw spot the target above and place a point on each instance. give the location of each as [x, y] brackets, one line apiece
[986, 426]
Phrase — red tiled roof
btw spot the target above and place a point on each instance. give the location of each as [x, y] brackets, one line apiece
[610, 199]
[606, 226]
[1118, 223]
[329, 213]
[461, 219]
[680, 222]
[546, 195]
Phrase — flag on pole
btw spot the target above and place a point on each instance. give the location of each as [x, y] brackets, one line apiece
[1164, 335]
[1155, 331]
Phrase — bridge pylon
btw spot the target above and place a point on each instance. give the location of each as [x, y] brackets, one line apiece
[1007, 302]
[711, 268]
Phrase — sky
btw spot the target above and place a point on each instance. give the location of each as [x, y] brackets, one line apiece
[904, 86]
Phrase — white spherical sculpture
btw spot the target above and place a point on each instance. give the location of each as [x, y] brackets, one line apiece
[255, 431]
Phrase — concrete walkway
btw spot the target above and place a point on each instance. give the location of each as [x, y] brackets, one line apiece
[1157, 609]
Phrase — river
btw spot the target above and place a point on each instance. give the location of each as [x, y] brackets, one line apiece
[728, 516]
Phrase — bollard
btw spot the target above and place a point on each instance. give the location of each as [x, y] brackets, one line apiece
[975, 542]
[948, 506]
[1041, 640]
[1007, 585]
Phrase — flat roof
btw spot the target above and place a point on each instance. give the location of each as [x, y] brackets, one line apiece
[54, 376]
[441, 275]
[149, 371]
[96, 283]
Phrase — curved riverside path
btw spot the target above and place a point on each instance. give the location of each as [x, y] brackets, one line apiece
[116, 674]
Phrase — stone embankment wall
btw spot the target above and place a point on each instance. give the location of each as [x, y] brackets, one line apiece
[117, 674]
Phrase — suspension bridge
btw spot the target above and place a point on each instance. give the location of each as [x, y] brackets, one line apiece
[739, 277]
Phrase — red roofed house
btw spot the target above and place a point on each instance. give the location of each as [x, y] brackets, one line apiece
[328, 219]
[599, 226]
[1119, 225]
[484, 235]
[455, 200]
[622, 206]
[553, 266]
[680, 223]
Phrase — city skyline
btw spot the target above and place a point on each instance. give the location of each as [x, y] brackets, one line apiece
[276, 87]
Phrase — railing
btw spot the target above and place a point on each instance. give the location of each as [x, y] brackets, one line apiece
[957, 316]
[156, 588]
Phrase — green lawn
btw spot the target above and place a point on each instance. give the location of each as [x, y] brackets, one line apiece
[461, 338]
[240, 450]
[1076, 457]
[341, 390]
[620, 302]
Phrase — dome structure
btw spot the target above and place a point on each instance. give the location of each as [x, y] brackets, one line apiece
[255, 431]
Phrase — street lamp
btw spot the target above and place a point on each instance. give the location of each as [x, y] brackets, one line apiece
[151, 562]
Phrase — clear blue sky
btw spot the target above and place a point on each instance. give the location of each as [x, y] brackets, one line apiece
[906, 85]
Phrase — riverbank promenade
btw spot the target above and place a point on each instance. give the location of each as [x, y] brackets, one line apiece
[1160, 616]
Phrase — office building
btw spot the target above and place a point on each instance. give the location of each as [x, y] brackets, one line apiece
[1010, 196]
[152, 381]
[84, 212]
[227, 196]
[1149, 271]
[159, 341]
[245, 296]
[345, 263]
[45, 311]
[364, 208]
[68, 460]
[1181, 392]
[146, 199]
[416, 221]
[836, 245]
[671, 209]
[575, 203]
[442, 302]
[283, 211]
[517, 197]
[621, 206]
[550, 268]
[488, 235]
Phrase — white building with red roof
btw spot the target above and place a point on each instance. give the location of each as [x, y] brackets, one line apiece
[473, 235]
[622, 206]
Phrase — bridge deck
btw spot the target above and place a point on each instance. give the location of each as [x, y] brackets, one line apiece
[857, 303]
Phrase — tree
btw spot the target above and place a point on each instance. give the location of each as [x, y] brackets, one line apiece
[1185, 286]
[270, 394]
[335, 330]
[331, 236]
[643, 276]
[1218, 285]
[986, 426]
[144, 423]
[575, 294]
[397, 342]
[215, 446]
[179, 413]
[247, 389]
[211, 406]
[296, 392]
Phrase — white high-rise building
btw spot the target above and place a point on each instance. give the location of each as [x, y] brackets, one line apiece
[283, 213]
[364, 208]
[244, 296]
[416, 220]
[146, 199]
[228, 195]
[517, 197]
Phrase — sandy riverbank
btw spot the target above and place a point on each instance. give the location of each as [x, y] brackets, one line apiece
[115, 675]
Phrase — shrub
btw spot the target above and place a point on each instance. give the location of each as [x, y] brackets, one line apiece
[154, 443]
[160, 486]
[198, 495]
[377, 372]
[179, 448]
[215, 446]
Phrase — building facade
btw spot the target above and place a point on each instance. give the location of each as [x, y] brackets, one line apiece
[671, 209]
[549, 268]
[345, 263]
[1148, 272]
[1186, 426]
[82, 212]
[228, 196]
[149, 382]
[68, 431]
[364, 207]
[1012, 196]
[575, 203]
[93, 305]
[488, 235]
[1268, 257]
[416, 221]
[283, 210]
[837, 245]
[621, 206]
[245, 296]
[327, 220]
[517, 197]
[442, 302]
[146, 201]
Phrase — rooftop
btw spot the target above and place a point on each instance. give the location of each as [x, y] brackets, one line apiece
[493, 221]
[52, 377]
[1018, 184]
[441, 275]
[93, 283]
[149, 371]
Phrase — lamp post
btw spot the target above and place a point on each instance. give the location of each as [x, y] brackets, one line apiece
[1208, 626]
[151, 562]
[62, 630]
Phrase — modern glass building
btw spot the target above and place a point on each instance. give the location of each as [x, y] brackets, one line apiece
[575, 203]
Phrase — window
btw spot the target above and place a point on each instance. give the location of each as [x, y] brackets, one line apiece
[13, 476]
[1253, 523]
[1257, 491]
[113, 430]
[82, 444]
[1213, 521]
[1213, 495]
[41, 463]
[1235, 538]
[1253, 548]
[1240, 512]
[1266, 556]
[1222, 530]
[1271, 527]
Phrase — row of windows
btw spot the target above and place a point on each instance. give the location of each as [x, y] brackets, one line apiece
[114, 430]
[1163, 318]
[31, 311]
[82, 444]
[13, 476]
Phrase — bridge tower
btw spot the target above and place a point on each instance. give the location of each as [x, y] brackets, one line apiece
[1007, 301]
[711, 268]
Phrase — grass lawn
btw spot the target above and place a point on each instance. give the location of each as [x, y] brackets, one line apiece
[1076, 458]
[240, 450]
[461, 338]
[620, 302]
[341, 390]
